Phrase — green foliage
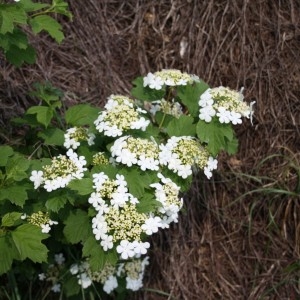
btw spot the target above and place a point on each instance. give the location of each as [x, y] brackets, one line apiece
[81, 114]
[189, 95]
[184, 125]
[45, 158]
[50, 25]
[145, 93]
[37, 16]
[217, 136]
[77, 227]
[28, 241]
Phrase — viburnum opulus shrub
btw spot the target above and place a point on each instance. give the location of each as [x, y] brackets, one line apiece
[93, 193]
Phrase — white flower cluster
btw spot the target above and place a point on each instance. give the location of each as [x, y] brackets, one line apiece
[226, 104]
[171, 108]
[75, 135]
[62, 170]
[167, 77]
[53, 273]
[136, 151]
[120, 115]
[167, 193]
[40, 219]
[181, 154]
[132, 271]
[117, 222]
[82, 273]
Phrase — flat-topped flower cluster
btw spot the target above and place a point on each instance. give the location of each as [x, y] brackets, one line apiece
[226, 104]
[139, 162]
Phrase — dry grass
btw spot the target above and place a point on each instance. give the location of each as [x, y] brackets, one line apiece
[230, 243]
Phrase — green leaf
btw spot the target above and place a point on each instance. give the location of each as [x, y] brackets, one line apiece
[190, 94]
[71, 286]
[78, 226]
[17, 56]
[136, 187]
[5, 153]
[47, 23]
[10, 14]
[44, 114]
[163, 119]
[215, 134]
[61, 7]
[11, 218]
[16, 194]
[82, 186]
[16, 167]
[81, 114]
[48, 93]
[183, 126]
[17, 38]
[145, 93]
[93, 250]
[28, 240]
[30, 6]
[8, 253]
[52, 136]
[147, 203]
[56, 203]
[232, 146]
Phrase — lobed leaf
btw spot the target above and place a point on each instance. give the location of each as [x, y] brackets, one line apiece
[215, 134]
[183, 126]
[94, 251]
[10, 14]
[18, 56]
[8, 252]
[10, 219]
[50, 25]
[190, 94]
[5, 153]
[78, 226]
[82, 186]
[81, 114]
[28, 241]
[52, 136]
[44, 114]
[16, 194]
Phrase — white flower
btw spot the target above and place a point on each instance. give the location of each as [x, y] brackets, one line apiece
[206, 113]
[126, 249]
[207, 172]
[148, 79]
[110, 284]
[42, 276]
[74, 269]
[45, 228]
[59, 258]
[151, 225]
[84, 280]
[127, 158]
[224, 115]
[37, 178]
[142, 124]
[235, 118]
[134, 284]
[206, 99]
[156, 84]
[56, 288]
[106, 242]
[140, 247]
[212, 163]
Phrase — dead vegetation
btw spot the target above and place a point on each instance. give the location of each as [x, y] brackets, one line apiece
[239, 235]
